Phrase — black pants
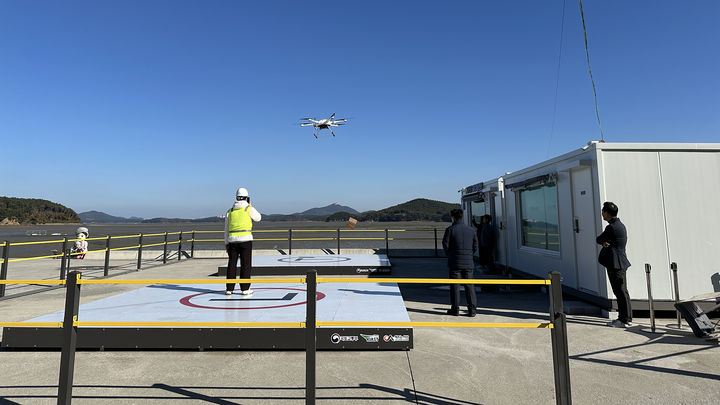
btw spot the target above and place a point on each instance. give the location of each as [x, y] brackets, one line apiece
[469, 290]
[485, 257]
[244, 250]
[618, 282]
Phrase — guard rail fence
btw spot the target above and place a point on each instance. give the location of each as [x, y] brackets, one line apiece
[556, 324]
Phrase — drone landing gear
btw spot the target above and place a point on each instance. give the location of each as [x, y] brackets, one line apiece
[333, 133]
[315, 135]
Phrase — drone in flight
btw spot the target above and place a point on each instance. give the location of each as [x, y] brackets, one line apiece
[327, 123]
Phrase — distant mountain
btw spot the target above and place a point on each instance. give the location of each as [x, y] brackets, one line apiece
[34, 211]
[97, 217]
[292, 217]
[163, 220]
[329, 210]
[420, 209]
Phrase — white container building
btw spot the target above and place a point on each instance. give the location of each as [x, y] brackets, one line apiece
[548, 216]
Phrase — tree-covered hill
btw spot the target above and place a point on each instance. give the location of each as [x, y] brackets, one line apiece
[329, 210]
[35, 211]
[97, 217]
[419, 209]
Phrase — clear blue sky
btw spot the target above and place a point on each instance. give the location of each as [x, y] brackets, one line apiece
[164, 108]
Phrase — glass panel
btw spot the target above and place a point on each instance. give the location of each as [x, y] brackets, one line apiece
[539, 217]
[477, 209]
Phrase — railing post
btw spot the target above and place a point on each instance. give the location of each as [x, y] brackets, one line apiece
[651, 305]
[180, 246]
[387, 244]
[139, 262]
[558, 334]
[436, 251]
[69, 333]
[165, 249]
[338, 239]
[192, 246]
[673, 267]
[4, 266]
[290, 241]
[310, 337]
[107, 257]
[64, 258]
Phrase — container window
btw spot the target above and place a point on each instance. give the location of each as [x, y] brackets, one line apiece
[539, 217]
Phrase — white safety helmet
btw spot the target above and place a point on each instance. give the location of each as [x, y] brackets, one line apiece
[241, 192]
[82, 229]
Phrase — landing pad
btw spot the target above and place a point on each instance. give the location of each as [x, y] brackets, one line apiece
[283, 265]
[271, 302]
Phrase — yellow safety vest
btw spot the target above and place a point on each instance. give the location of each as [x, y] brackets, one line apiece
[239, 221]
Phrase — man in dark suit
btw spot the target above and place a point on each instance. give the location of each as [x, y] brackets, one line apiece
[487, 244]
[612, 257]
[460, 243]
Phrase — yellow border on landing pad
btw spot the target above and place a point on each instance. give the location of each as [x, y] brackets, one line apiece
[440, 324]
[195, 281]
[195, 324]
[431, 281]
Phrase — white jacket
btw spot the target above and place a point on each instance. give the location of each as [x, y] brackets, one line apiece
[254, 215]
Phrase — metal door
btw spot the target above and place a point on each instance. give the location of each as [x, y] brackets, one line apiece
[586, 266]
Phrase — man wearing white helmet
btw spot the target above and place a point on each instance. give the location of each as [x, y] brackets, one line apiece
[238, 239]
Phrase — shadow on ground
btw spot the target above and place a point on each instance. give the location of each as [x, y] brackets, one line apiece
[205, 394]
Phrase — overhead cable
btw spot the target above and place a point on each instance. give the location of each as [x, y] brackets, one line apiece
[557, 77]
[587, 53]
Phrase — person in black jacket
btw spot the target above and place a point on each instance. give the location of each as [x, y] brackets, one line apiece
[613, 258]
[487, 244]
[460, 243]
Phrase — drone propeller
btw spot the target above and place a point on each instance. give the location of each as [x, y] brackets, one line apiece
[306, 124]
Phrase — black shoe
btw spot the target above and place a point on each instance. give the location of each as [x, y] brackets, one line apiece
[453, 312]
[472, 314]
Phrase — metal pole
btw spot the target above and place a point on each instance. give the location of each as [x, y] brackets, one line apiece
[107, 256]
[651, 305]
[63, 263]
[673, 267]
[558, 334]
[180, 246]
[387, 244]
[69, 333]
[436, 251]
[290, 241]
[192, 246]
[338, 238]
[139, 262]
[165, 249]
[310, 337]
[4, 266]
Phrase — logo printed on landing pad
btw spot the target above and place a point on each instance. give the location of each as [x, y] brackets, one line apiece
[264, 298]
[314, 259]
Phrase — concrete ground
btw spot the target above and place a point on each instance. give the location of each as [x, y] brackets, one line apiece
[447, 366]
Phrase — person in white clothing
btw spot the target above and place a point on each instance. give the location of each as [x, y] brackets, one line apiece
[238, 240]
[77, 251]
